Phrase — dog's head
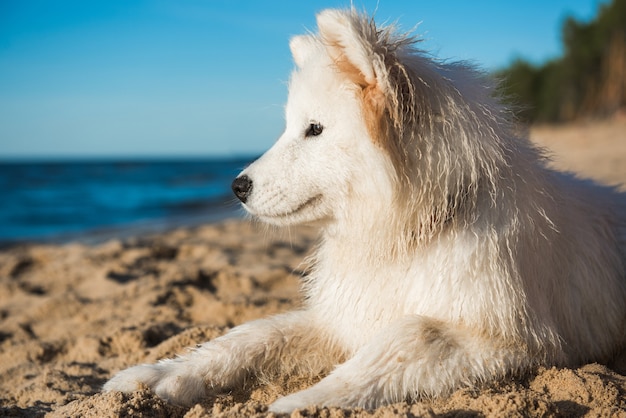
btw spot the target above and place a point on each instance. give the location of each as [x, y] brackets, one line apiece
[370, 128]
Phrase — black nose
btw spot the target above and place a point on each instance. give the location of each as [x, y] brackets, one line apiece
[242, 187]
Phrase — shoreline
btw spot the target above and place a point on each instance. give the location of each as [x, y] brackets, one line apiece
[99, 235]
[60, 201]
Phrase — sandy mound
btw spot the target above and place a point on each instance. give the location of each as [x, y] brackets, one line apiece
[72, 315]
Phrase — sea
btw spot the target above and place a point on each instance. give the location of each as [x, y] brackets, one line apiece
[94, 200]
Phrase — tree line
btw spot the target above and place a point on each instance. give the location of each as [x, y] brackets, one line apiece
[588, 81]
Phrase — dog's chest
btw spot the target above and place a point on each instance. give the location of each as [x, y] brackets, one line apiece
[358, 300]
[357, 304]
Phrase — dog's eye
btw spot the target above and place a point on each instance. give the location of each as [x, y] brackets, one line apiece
[314, 129]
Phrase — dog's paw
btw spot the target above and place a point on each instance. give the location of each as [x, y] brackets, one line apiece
[133, 379]
[332, 391]
[178, 385]
[288, 404]
[314, 396]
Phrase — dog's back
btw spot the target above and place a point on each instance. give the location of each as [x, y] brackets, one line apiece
[584, 268]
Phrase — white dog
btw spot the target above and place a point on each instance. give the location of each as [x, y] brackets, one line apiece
[450, 255]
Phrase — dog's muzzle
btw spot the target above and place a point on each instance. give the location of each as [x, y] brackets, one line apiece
[242, 187]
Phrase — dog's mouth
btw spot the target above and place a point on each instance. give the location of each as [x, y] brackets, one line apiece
[309, 203]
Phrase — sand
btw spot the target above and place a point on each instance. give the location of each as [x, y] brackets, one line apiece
[72, 315]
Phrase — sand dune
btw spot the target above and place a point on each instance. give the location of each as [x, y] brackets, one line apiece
[72, 315]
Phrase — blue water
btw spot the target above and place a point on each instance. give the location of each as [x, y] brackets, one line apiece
[82, 199]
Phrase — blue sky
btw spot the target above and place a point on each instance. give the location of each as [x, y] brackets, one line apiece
[208, 77]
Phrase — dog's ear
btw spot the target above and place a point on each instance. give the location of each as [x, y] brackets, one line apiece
[349, 46]
[352, 43]
[302, 48]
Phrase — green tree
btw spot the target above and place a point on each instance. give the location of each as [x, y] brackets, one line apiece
[589, 80]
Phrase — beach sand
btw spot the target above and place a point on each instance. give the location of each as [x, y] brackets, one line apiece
[72, 315]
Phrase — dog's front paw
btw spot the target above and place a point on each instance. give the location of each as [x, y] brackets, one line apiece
[332, 391]
[288, 404]
[314, 396]
[178, 385]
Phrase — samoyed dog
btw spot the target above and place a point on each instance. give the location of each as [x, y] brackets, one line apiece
[450, 255]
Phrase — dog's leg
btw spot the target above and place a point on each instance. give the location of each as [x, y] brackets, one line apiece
[225, 362]
[414, 356]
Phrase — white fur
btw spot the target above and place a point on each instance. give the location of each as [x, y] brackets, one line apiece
[450, 255]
